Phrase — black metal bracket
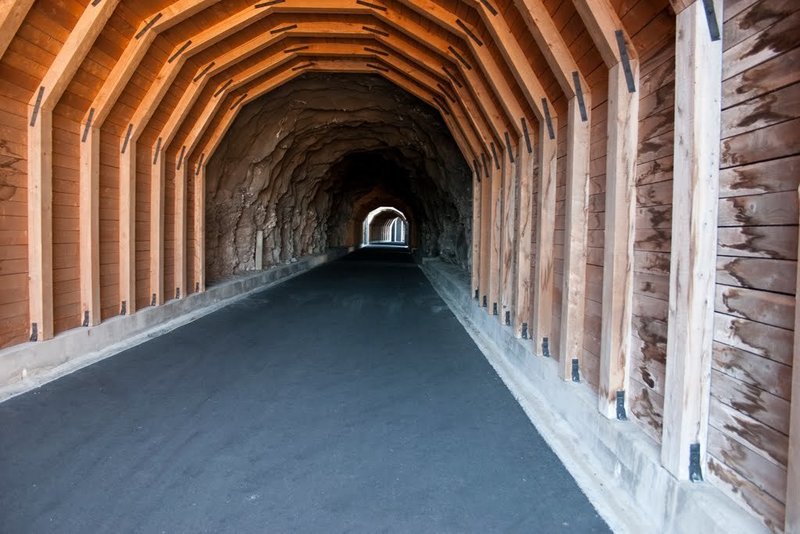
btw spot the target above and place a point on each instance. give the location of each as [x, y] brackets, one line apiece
[34, 332]
[147, 26]
[157, 151]
[626, 61]
[127, 138]
[494, 308]
[545, 347]
[177, 292]
[204, 71]
[576, 370]
[527, 136]
[485, 303]
[508, 146]
[621, 415]
[37, 105]
[88, 126]
[476, 294]
[524, 330]
[713, 25]
[576, 79]
[197, 287]
[494, 155]
[123, 308]
[485, 164]
[508, 318]
[180, 51]
[548, 119]
[695, 470]
[153, 300]
[85, 317]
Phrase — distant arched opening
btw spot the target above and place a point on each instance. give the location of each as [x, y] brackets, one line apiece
[385, 226]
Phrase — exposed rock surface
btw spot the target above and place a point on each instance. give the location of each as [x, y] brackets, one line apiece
[304, 162]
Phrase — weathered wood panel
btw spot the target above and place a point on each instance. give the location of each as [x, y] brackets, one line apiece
[757, 256]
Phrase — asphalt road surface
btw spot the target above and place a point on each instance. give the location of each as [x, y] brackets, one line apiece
[348, 399]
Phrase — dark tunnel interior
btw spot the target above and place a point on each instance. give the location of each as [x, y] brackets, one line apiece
[306, 163]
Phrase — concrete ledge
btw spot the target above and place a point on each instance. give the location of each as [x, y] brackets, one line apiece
[29, 365]
[613, 462]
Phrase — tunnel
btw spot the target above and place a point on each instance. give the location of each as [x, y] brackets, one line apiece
[305, 162]
[399, 265]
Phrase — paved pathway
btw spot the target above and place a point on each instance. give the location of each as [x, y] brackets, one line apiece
[348, 399]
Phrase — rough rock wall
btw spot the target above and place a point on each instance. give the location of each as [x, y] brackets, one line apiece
[298, 161]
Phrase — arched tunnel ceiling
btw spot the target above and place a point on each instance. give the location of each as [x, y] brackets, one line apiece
[486, 65]
[141, 94]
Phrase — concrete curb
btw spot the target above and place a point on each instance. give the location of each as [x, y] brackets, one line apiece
[30, 365]
[613, 462]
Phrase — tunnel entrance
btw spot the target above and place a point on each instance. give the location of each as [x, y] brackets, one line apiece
[306, 164]
[386, 226]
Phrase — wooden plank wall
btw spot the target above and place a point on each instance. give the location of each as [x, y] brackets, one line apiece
[580, 44]
[757, 255]
[24, 64]
[656, 45]
[559, 231]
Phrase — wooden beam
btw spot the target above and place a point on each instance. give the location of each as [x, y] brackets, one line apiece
[572, 83]
[94, 119]
[40, 179]
[515, 61]
[486, 229]
[89, 215]
[792, 522]
[157, 218]
[496, 236]
[690, 332]
[527, 174]
[545, 227]
[509, 251]
[573, 296]
[12, 13]
[623, 122]
[602, 23]
[127, 226]
[608, 34]
[476, 231]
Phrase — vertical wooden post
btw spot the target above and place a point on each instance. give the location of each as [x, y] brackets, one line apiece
[574, 285]
[545, 232]
[40, 173]
[127, 226]
[180, 231]
[476, 231]
[509, 258]
[259, 250]
[90, 226]
[199, 225]
[40, 225]
[486, 231]
[527, 174]
[694, 242]
[792, 523]
[497, 234]
[157, 226]
[623, 122]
